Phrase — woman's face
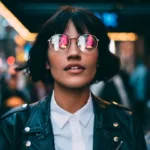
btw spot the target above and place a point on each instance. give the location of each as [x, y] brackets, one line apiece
[72, 68]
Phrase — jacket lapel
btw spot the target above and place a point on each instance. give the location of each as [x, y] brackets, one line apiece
[40, 133]
[101, 138]
[104, 129]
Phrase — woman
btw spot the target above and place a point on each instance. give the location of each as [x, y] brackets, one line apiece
[71, 51]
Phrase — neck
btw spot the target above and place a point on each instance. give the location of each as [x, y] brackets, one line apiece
[71, 100]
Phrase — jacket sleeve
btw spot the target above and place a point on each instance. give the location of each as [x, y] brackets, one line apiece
[11, 127]
[5, 139]
[139, 135]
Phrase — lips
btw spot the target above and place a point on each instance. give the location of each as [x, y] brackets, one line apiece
[74, 67]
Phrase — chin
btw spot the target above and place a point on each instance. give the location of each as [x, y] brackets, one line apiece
[74, 83]
[77, 85]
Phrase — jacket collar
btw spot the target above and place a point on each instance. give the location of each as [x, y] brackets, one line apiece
[40, 115]
[105, 125]
[102, 111]
[103, 122]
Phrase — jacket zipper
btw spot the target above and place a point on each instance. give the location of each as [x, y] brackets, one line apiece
[120, 144]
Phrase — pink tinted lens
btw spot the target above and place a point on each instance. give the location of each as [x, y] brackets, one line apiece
[87, 43]
[63, 41]
[90, 42]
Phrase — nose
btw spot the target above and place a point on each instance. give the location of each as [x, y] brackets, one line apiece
[73, 51]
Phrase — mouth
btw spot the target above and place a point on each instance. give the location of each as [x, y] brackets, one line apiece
[74, 68]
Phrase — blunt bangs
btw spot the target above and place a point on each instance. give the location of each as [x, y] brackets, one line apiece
[82, 19]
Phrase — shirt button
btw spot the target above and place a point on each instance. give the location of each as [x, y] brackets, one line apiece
[28, 143]
[116, 139]
[27, 129]
[24, 105]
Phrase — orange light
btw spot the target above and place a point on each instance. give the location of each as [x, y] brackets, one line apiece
[19, 40]
[16, 24]
[123, 36]
[14, 101]
[10, 60]
[29, 36]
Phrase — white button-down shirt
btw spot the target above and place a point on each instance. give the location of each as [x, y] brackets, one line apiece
[73, 131]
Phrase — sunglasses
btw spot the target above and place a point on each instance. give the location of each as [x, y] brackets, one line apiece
[87, 43]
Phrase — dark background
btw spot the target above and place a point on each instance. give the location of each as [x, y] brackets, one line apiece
[133, 15]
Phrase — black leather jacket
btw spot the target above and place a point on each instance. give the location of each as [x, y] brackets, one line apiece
[29, 128]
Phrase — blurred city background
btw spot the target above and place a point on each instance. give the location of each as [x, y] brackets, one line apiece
[128, 24]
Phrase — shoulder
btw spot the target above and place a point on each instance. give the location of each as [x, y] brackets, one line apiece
[120, 107]
[22, 111]
[114, 112]
[15, 119]
[113, 106]
[15, 110]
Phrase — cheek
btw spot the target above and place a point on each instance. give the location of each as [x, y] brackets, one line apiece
[56, 62]
[92, 62]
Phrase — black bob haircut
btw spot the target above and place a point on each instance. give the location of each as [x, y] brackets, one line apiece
[82, 19]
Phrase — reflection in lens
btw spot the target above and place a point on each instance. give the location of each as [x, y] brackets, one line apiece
[55, 42]
[63, 42]
[59, 42]
[87, 43]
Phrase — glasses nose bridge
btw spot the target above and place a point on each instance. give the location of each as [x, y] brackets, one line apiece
[73, 38]
[74, 44]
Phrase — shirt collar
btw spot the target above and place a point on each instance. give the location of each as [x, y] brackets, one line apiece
[85, 113]
[61, 116]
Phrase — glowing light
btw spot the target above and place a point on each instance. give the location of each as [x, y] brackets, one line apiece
[97, 15]
[14, 101]
[112, 47]
[1, 62]
[10, 60]
[123, 36]
[16, 24]
[110, 19]
[19, 40]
